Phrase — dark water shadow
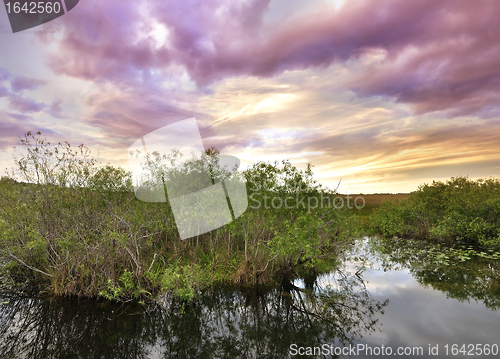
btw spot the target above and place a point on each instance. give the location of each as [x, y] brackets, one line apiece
[224, 323]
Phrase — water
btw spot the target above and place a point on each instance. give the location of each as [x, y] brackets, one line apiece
[432, 304]
[398, 299]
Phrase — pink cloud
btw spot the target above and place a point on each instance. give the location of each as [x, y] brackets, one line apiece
[24, 105]
[440, 55]
[100, 42]
[20, 83]
[124, 117]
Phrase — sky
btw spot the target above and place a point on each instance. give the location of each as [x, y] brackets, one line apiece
[383, 95]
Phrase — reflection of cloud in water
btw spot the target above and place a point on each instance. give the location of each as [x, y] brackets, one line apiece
[419, 316]
[385, 283]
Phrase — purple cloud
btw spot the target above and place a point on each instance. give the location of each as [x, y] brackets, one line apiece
[440, 55]
[11, 126]
[100, 42]
[19, 117]
[24, 105]
[4, 91]
[20, 83]
[55, 110]
[4, 74]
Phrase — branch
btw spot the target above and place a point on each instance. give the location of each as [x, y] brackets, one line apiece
[30, 267]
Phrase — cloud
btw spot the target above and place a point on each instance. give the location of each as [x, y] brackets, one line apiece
[100, 42]
[20, 83]
[373, 145]
[25, 105]
[335, 85]
[55, 110]
[4, 91]
[19, 117]
[131, 115]
[17, 85]
[4, 74]
[438, 55]
[11, 126]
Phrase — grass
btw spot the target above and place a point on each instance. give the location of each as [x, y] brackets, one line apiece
[373, 201]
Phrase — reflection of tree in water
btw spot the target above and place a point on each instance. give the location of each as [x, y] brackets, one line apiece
[476, 278]
[224, 323]
[67, 328]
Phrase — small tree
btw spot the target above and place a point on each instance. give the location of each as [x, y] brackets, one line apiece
[44, 163]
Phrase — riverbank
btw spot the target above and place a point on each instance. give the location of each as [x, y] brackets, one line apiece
[72, 228]
[92, 243]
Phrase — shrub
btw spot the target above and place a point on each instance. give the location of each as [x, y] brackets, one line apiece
[459, 210]
[75, 227]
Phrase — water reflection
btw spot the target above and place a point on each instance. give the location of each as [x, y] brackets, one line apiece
[431, 303]
[464, 280]
[224, 323]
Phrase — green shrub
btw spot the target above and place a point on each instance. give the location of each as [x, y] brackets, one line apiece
[458, 210]
[75, 227]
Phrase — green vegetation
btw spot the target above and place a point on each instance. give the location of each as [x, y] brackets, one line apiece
[69, 226]
[458, 211]
[372, 202]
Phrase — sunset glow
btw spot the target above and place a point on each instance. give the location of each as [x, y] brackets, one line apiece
[385, 95]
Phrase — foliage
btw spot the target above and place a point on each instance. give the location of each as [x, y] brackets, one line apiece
[460, 210]
[74, 227]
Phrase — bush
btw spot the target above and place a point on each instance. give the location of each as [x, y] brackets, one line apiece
[75, 227]
[459, 210]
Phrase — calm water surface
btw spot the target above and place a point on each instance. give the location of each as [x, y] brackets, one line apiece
[397, 298]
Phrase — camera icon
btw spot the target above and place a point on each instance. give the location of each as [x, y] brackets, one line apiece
[25, 14]
[205, 191]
